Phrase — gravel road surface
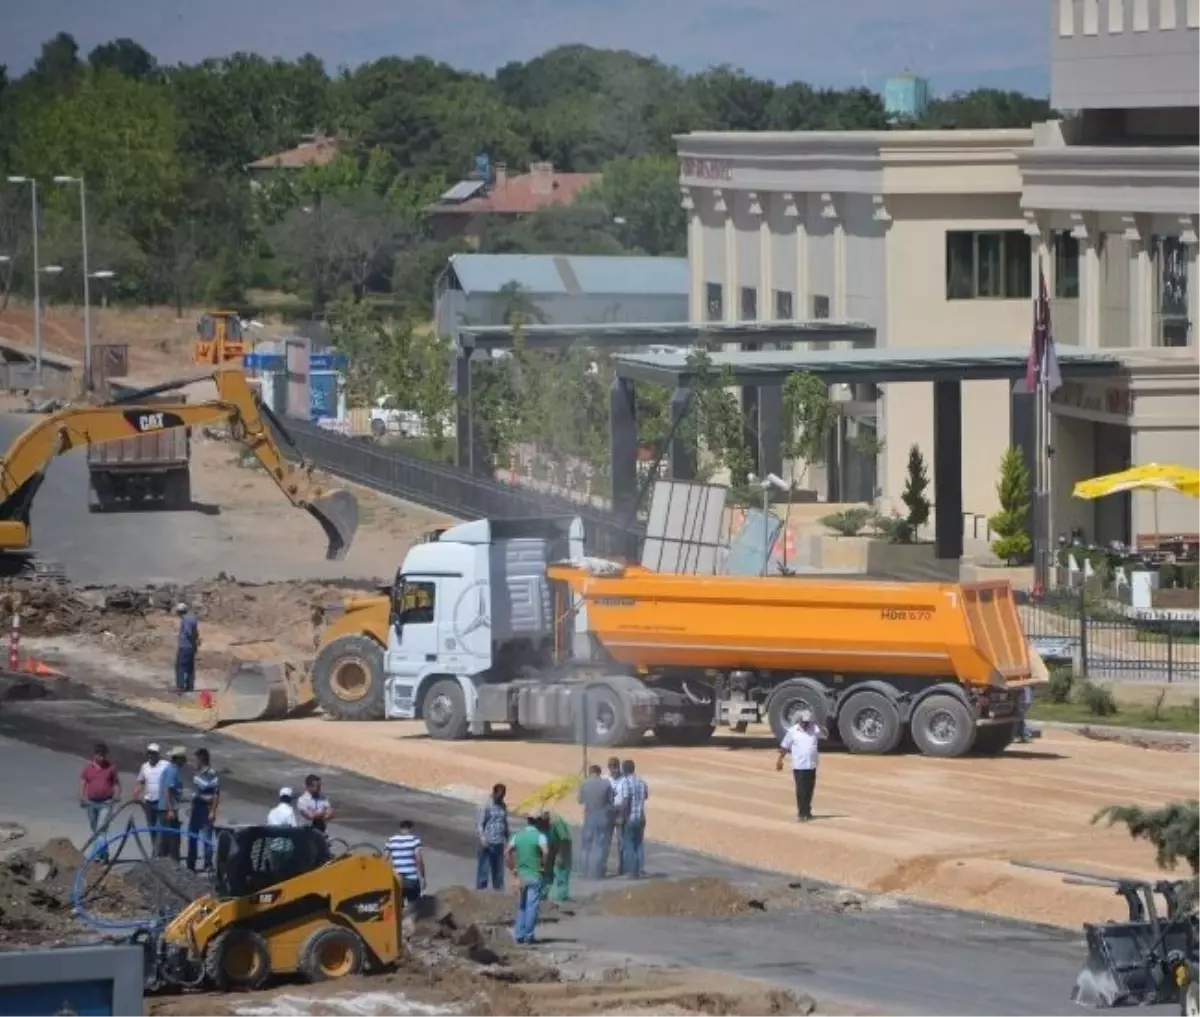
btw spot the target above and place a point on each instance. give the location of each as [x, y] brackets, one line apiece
[908, 959]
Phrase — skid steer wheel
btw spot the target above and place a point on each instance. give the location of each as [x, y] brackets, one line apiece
[869, 723]
[347, 679]
[331, 952]
[445, 711]
[942, 725]
[237, 959]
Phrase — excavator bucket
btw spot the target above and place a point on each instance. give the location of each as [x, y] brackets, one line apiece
[254, 690]
[337, 512]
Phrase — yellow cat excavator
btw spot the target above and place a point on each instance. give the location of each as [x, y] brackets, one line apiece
[219, 338]
[23, 465]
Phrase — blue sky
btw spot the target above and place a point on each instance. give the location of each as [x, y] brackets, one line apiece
[958, 44]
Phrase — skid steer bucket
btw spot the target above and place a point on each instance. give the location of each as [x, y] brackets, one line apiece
[337, 513]
[253, 690]
[1135, 963]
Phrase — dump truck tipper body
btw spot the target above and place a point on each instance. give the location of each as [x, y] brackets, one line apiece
[507, 621]
[148, 469]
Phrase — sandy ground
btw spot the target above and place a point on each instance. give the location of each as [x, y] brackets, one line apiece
[940, 830]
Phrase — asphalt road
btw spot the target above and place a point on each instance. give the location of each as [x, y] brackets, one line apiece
[911, 959]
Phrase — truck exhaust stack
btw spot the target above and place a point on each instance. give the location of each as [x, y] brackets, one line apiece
[337, 512]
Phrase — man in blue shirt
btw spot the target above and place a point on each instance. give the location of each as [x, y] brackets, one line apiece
[171, 803]
[206, 796]
[492, 827]
[185, 654]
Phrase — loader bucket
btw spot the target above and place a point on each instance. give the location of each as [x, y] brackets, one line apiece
[1125, 964]
[253, 690]
[337, 512]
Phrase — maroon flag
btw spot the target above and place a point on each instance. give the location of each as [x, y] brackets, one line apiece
[1042, 364]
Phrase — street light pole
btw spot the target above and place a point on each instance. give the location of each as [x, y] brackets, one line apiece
[37, 285]
[87, 309]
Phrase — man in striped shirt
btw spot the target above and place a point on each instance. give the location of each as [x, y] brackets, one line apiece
[206, 797]
[630, 803]
[408, 861]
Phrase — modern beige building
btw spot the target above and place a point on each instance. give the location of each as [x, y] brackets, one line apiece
[934, 238]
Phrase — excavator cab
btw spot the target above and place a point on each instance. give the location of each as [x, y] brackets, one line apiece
[219, 338]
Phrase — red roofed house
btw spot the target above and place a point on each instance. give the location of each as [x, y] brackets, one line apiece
[462, 210]
[314, 150]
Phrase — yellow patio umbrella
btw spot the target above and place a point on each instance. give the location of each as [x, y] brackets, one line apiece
[1153, 477]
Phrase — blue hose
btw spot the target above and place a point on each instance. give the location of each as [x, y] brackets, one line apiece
[101, 847]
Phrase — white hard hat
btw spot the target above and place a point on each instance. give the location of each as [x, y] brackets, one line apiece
[181, 608]
[804, 716]
[153, 747]
[286, 792]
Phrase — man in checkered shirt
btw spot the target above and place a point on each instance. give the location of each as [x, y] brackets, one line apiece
[630, 803]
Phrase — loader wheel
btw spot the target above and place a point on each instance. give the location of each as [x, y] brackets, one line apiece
[237, 959]
[347, 679]
[445, 711]
[331, 952]
[869, 723]
[942, 725]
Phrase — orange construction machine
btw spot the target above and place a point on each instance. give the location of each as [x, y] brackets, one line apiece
[219, 338]
[507, 621]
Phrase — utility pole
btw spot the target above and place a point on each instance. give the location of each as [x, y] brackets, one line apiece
[37, 272]
[66, 181]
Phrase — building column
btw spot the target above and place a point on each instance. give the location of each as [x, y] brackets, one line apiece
[766, 261]
[1084, 230]
[947, 469]
[695, 255]
[622, 442]
[1141, 280]
[796, 207]
[840, 296]
[682, 452]
[1189, 237]
[732, 298]
[750, 393]
[770, 430]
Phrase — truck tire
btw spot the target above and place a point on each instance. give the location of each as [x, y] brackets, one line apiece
[605, 717]
[347, 679]
[994, 739]
[869, 723]
[177, 490]
[689, 734]
[237, 959]
[787, 700]
[331, 953]
[942, 725]
[444, 710]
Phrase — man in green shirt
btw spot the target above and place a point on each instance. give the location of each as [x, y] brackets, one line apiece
[556, 882]
[527, 854]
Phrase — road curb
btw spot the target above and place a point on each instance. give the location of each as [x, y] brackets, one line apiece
[1116, 731]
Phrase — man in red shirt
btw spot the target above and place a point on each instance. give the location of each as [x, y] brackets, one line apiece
[99, 787]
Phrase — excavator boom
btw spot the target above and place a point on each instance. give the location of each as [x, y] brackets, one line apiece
[23, 465]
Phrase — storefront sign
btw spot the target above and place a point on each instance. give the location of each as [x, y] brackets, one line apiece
[1114, 401]
[706, 169]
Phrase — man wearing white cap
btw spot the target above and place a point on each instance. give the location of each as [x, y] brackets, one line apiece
[284, 814]
[801, 743]
[148, 789]
[185, 653]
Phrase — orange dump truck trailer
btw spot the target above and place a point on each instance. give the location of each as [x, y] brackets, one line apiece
[508, 622]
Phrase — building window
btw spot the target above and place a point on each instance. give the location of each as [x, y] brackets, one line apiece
[749, 304]
[992, 265]
[820, 307]
[713, 304]
[783, 305]
[1173, 327]
[1066, 265]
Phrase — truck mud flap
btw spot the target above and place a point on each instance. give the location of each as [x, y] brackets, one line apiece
[337, 512]
[253, 690]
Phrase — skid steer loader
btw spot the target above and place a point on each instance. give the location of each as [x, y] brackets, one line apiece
[282, 904]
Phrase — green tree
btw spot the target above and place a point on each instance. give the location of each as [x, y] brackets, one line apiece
[1173, 829]
[583, 228]
[985, 108]
[124, 56]
[641, 196]
[809, 418]
[1011, 523]
[916, 482]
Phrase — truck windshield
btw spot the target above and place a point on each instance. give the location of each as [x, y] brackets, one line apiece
[413, 601]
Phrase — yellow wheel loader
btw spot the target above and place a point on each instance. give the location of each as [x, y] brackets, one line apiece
[282, 904]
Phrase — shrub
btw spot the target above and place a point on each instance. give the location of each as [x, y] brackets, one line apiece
[849, 522]
[894, 528]
[1062, 681]
[1097, 698]
[913, 495]
[1011, 524]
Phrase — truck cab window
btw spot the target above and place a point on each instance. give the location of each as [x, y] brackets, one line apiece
[414, 603]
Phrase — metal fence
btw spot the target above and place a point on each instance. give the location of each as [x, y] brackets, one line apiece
[1106, 642]
[454, 491]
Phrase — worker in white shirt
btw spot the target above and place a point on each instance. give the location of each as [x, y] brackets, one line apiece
[801, 743]
[313, 806]
[284, 814]
[148, 789]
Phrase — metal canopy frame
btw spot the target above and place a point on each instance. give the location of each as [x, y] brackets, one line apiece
[844, 366]
[609, 335]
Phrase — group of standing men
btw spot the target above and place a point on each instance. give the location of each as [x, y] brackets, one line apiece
[614, 808]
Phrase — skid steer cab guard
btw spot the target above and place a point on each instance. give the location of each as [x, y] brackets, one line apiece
[1147, 960]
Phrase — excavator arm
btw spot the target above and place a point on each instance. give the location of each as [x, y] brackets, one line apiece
[24, 464]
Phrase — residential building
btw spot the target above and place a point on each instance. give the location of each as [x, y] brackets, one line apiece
[463, 210]
[553, 289]
[314, 150]
[935, 238]
[905, 97]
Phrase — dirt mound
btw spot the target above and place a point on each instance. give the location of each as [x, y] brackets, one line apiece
[701, 897]
[483, 907]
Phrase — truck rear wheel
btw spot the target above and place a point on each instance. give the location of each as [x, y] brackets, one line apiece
[445, 711]
[942, 725]
[788, 700]
[869, 723]
[347, 678]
